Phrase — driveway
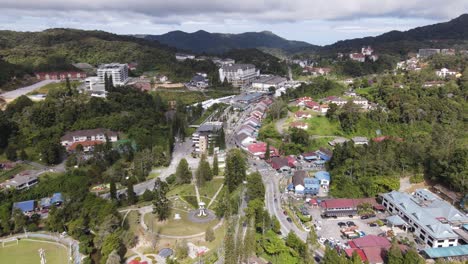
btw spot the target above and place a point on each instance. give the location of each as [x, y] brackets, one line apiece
[12, 95]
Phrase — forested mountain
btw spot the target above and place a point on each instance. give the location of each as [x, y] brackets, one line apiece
[217, 43]
[55, 48]
[442, 35]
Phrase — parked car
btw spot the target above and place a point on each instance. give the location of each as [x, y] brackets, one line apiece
[285, 213]
[350, 223]
[367, 216]
[373, 224]
[341, 224]
[289, 219]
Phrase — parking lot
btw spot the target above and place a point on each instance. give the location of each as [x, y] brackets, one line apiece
[328, 228]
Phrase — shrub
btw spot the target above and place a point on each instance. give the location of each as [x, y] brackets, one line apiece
[417, 178]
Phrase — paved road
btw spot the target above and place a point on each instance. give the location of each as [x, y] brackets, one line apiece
[11, 95]
[273, 201]
[181, 150]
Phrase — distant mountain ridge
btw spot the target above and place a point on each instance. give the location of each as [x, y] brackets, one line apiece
[453, 33]
[441, 35]
[217, 43]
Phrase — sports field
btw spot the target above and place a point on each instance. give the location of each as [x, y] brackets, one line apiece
[26, 252]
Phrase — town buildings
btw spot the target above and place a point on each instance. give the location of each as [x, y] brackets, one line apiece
[371, 248]
[60, 76]
[23, 180]
[184, 56]
[200, 80]
[432, 219]
[317, 70]
[344, 207]
[87, 138]
[221, 62]
[118, 73]
[263, 83]
[444, 72]
[366, 52]
[425, 53]
[302, 184]
[205, 136]
[299, 125]
[239, 75]
[357, 57]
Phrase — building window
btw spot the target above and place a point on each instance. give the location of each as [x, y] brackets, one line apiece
[452, 240]
[422, 231]
[440, 241]
[430, 243]
[422, 237]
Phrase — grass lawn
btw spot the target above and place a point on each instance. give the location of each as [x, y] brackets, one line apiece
[210, 188]
[182, 190]
[46, 88]
[177, 227]
[321, 126]
[27, 252]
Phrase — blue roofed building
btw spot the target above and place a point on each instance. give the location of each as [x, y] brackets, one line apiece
[45, 203]
[311, 186]
[25, 206]
[323, 177]
[56, 199]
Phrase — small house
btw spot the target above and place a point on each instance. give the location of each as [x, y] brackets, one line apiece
[280, 164]
[26, 207]
[323, 177]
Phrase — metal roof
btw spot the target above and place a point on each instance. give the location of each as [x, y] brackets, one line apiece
[444, 252]
[429, 214]
[25, 206]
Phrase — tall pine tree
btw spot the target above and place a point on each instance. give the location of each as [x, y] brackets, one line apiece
[215, 165]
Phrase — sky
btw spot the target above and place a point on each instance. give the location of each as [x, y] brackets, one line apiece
[318, 22]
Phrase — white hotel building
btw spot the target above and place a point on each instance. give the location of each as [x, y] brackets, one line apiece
[118, 72]
[238, 75]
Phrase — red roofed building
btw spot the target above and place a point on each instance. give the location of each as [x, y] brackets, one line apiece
[142, 86]
[60, 75]
[302, 114]
[313, 105]
[371, 248]
[344, 207]
[267, 101]
[280, 163]
[349, 252]
[301, 101]
[291, 161]
[300, 125]
[357, 57]
[370, 241]
[259, 149]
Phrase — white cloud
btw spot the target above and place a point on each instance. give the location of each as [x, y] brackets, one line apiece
[159, 16]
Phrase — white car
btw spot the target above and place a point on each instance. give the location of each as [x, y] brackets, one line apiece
[322, 240]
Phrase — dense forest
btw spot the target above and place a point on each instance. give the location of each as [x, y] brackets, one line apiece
[426, 132]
